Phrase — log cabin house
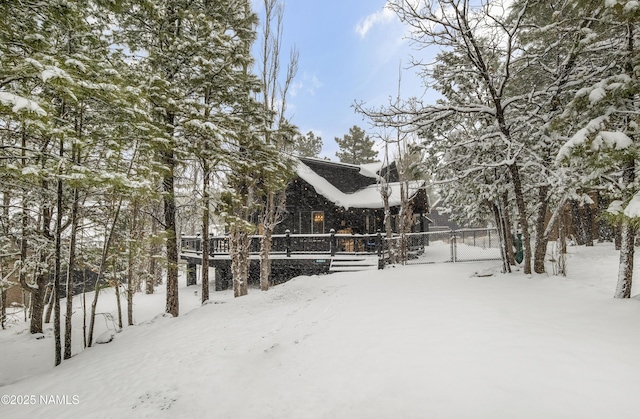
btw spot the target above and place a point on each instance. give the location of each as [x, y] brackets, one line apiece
[334, 214]
[328, 195]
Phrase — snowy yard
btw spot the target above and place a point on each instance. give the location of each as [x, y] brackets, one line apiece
[424, 341]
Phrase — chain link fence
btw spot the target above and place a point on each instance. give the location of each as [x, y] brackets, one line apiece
[464, 245]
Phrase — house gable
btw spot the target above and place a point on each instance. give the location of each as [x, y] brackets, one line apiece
[328, 195]
[347, 178]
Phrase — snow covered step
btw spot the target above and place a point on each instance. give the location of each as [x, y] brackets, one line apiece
[356, 263]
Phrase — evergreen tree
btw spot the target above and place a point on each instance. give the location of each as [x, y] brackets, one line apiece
[356, 147]
[603, 115]
[307, 145]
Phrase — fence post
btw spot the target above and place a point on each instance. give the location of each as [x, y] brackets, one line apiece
[379, 243]
[453, 246]
[332, 242]
[288, 242]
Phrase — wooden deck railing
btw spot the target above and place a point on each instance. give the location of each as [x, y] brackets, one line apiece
[291, 244]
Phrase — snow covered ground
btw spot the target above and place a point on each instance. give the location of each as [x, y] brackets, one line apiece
[423, 341]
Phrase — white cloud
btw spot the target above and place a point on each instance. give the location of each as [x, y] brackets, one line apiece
[309, 84]
[377, 18]
[313, 84]
[296, 86]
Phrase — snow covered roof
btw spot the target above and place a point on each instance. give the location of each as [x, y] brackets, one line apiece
[366, 197]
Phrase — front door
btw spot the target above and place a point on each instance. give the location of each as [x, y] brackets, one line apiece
[317, 222]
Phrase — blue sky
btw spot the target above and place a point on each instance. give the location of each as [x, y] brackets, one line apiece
[349, 50]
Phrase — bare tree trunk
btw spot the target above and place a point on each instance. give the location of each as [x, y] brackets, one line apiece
[70, 275]
[628, 231]
[49, 296]
[3, 304]
[274, 211]
[154, 251]
[118, 304]
[389, 230]
[134, 238]
[541, 240]
[502, 233]
[58, 264]
[265, 261]
[39, 290]
[239, 247]
[84, 307]
[562, 237]
[169, 161]
[101, 269]
[205, 230]
[625, 271]
[588, 225]
[508, 228]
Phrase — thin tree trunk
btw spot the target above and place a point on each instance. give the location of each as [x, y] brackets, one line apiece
[578, 226]
[588, 227]
[508, 228]
[38, 292]
[70, 275]
[57, 265]
[169, 197]
[118, 304]
[153, 250]
[103, 261]
[239, 246]
[541, 240]
[48, 302]
[205, 231]
[134, 238]
[522, 215]
[265, 261]
[84, 306]
[502, 233]
[625, 271]
[3, 303]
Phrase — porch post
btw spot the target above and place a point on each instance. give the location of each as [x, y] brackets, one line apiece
[332, 242]
[288, 242]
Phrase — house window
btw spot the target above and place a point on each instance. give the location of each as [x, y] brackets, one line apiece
[317, 222]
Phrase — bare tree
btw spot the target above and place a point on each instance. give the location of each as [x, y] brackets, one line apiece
[481, 44]
[275, 105]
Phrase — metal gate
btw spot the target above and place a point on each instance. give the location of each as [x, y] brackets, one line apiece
[465, 245]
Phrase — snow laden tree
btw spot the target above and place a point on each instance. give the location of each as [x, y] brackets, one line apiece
[356, 147]
[61, 57]
[175, 45]
[307, 145]
[475, 69]
[209, 117]
[25, 146]
[605, 115]
[555, 43]
[248, 153]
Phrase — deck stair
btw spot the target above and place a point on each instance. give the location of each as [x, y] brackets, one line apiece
[354, 263]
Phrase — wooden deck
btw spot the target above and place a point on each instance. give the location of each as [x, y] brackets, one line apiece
[292, 255]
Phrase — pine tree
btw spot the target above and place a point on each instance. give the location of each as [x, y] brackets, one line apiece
[603, 116]
[307, 145]
[356, 147]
